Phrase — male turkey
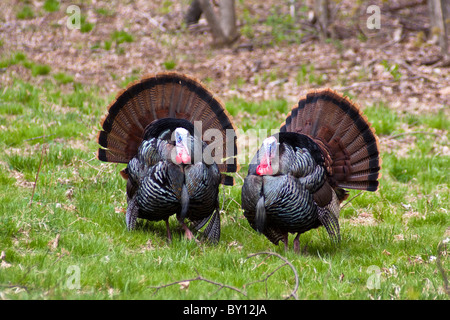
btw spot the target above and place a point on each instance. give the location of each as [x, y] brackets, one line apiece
[295, 181]
[157, 126]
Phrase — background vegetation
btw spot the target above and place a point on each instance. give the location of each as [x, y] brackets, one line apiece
[62, 211]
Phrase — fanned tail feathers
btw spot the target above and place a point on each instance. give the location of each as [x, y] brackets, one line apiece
[212, 231]
[349, 144]
[164, 95]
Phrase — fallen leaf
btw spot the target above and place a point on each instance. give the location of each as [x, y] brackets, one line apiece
[406, 206]
[69, 193]
[120, 210]
[53, 244]
[184, 285]
[148, 246]
[4, 264]
[236, 245]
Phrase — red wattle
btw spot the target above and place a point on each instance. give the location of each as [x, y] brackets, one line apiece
[183, 157]
[264, 169]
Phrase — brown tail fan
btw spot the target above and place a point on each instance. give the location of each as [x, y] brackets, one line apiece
[343, 132]
[164, 95]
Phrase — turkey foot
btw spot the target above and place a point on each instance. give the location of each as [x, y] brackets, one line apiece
[187, 233]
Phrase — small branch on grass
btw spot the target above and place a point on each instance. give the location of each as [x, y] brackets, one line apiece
[267, 278]
[11, 286]
[21, 279]
[185, 282]
[286, 262]
[351, 199]
[199, 278]
[83, 219]
[409, 133]
[37, 174]
[43, 136]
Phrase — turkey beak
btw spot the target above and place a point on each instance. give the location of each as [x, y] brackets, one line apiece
[181, 144]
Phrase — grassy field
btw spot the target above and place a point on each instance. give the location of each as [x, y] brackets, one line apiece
[63, 232]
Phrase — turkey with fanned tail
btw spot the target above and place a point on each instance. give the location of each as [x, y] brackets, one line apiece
[177, 140]
[296, 180]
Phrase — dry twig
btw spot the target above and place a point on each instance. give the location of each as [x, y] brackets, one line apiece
[294, 291]
[408, 133]
[199, 278]
[351, 199]
[441, 269]
[221, 286]
[37, 174]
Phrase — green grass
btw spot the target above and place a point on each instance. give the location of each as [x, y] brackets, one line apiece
[14, 58]
[118, 37]
[278, 26]
[51, 5]
[26, 12]
[121, 36]
[20, 58]
[63, 78]
[169, 64]
[283, 28]
[85, 25]
[262, 115]
[105, 12]
[49, 134]
[392, 69]
[40, 69]
[107, 44]
[307, 74]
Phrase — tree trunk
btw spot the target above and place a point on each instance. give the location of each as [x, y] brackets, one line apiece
[223, 27]
[228, 19]
[438, 11]
[322, 13]
[194, 12]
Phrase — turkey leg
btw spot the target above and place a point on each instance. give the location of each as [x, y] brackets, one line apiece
[187, 233]
[285, 241]
[297, 243]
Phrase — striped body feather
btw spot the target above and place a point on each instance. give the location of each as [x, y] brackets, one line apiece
[158, 184]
